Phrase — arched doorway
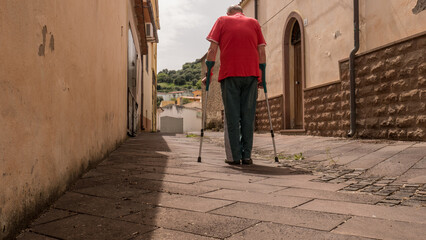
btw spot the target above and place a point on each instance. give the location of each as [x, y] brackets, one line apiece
[294, 73]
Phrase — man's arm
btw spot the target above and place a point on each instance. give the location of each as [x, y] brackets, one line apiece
[262, 61]
[262, 54]
[211, 54]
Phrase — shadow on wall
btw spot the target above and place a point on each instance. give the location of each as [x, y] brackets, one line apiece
[118, 199]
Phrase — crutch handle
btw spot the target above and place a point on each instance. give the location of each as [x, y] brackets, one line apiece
[262, 67]
[209, 65]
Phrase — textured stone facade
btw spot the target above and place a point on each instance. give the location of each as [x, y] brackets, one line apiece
[390, 95]
[262, 120]
[214, 108]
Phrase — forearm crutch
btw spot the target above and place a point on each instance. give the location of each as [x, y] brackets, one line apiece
[210, 65]
[262, 67]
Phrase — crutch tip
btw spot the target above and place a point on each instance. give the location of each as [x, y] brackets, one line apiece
[276, 159]
[199, 159]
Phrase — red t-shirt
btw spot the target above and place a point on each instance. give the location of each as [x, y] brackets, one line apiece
[238, 37]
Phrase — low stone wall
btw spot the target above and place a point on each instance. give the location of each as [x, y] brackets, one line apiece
[262, 120]
[390, 95]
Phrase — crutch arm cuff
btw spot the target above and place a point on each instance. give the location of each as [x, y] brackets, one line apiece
[210, 64]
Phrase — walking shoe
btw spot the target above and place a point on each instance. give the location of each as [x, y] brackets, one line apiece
[232, 162]
[247, 161]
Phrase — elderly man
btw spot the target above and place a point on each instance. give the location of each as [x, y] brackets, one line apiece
[242, 52]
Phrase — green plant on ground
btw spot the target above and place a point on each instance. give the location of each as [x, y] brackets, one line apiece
[191, 135]
[296, 156]
[330, 158]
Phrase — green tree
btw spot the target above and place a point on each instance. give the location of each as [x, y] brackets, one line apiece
[159, 100]
[185, 101]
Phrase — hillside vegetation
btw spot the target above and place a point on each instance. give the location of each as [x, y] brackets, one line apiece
[189, 77]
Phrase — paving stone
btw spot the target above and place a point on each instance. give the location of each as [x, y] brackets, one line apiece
[292, 182]
[171, 187]
[162, 233]
[98, 206]
[179, 201]
[421, 163]
[412, 176]
[91, 174]
[413, 203]
[399, 213]
[382, 229]
[398, 164]
[289, 216]
[205, 224]
[83, 227]
[389, 202]
[378, 156]
[228, 176]
[116, 171]
[170, 178]
[52, 215]
[250, 197]
[372, 189]
[245, 186]
[96, 181]
[330, 195]
[32, 236]
[121, 191]
[274, 231]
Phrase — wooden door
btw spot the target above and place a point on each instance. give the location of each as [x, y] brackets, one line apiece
[298, 104]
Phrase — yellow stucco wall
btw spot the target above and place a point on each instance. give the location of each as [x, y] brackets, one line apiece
[63, 86]
[329, 33]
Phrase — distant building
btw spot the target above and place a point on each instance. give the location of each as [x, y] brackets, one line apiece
[197, 93]
[184, 100]
[180, 119]
[175, 95]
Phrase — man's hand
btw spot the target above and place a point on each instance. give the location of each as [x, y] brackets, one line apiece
[204, 80]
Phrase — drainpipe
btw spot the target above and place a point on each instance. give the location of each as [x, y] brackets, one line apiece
[352, 69]
[255, 9]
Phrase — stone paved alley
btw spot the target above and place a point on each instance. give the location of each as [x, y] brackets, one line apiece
[323, 188]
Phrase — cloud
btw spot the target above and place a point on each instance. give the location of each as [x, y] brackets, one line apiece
[184, 27]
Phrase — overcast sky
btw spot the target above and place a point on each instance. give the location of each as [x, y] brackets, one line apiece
[184, 28]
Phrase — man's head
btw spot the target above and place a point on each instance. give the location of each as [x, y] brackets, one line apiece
[234, 9]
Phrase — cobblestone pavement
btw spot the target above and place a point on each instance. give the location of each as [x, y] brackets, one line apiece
[324, 162]
[152, 187]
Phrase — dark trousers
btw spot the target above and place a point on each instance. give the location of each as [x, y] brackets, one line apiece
[239, 95]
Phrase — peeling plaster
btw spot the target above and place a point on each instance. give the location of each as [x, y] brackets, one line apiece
[420, 6]
[52, 43]
[42, 47]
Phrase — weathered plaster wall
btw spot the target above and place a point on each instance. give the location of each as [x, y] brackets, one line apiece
[329, 33]
[148, 92]
[63, 97]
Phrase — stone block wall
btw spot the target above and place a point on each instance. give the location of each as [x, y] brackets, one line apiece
[327, 110]
[214, 108]
[262, 120]
[390, 95]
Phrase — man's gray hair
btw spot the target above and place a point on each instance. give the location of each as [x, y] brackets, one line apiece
[234, 8]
